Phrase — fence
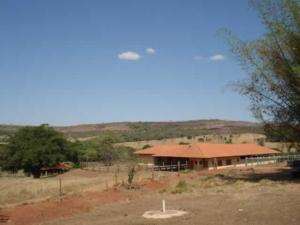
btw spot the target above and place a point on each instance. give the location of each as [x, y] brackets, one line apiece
[97, 166]
[271, 159]
[171, 167]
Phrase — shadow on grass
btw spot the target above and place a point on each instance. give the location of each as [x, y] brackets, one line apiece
[250, 175]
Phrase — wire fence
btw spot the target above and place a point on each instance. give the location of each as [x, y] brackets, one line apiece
[98, 166]
[271, 159]
[171, 167]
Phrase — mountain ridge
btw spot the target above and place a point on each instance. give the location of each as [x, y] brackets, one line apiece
[162, 129]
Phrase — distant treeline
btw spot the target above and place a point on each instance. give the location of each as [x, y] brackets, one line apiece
[139, 131]
[145, 132]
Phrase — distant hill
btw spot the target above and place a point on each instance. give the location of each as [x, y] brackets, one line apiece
[138, 131]
[8, 129]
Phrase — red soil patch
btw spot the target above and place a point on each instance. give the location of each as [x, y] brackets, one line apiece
[70, 205]
[105, 197]
[154, 185]
[4, 218]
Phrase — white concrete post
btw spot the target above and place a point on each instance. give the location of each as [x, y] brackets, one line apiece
[163, 206]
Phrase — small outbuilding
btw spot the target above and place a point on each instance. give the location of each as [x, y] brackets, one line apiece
[202, 156]
[57, 169]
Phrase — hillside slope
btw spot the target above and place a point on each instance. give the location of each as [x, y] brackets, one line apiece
[138, 131]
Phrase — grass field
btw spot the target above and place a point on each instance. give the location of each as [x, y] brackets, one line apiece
[18, 189]
[209, 138]
[259, 195]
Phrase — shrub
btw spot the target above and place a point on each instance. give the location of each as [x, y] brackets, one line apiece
[201, 139]
[181, 187]
[147, 146]
[228, 141]
[131, 173]
[76, 165]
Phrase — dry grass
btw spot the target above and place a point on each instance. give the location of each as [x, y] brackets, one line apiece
[228, 180]
[20, 189]
[201, 193]
[223, 197]
[211, 138]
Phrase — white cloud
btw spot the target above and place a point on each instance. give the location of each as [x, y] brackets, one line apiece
[133, 56]
[217, 57]
[150, 51]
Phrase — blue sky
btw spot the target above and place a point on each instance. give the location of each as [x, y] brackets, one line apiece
[73, 61]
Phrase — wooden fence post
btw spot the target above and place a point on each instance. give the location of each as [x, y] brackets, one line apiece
[152, 173]
[60, 189]
[106, 185]
[116, 177]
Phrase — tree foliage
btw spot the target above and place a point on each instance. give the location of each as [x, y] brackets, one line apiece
[2, 153]
[104, 150]
[32, 148]
[273, 64]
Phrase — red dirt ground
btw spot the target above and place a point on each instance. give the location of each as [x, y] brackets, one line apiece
[43, 211]
[154, 185]
[28, 214]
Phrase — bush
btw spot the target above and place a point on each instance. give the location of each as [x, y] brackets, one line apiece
[181, 187]
[131, 173]
[201, 139]
[147, 146]
[228, 141]
[76, 165]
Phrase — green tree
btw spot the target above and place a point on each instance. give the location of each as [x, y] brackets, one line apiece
[273, 64]
[2, 154]
[32, 148]
[106, 151]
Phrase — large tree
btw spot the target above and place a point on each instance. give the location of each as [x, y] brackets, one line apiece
[32, 148]
[273, 65]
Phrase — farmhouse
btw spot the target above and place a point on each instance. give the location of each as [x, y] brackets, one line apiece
[202, 156]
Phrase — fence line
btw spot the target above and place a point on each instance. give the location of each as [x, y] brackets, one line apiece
[97, 166]
[271, 159]
[171, 167]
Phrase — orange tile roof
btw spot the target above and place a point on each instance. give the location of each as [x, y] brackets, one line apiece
[206, 150]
